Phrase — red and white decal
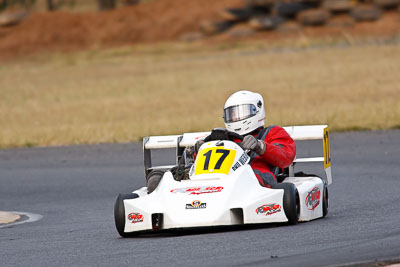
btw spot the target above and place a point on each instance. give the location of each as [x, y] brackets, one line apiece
[269, 209]
[135, 217]
[198, 190]
[313, 198]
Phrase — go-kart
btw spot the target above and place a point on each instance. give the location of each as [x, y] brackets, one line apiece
[219, 187]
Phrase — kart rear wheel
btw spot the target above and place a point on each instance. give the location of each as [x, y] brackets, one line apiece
[119, 213]
[325, 202]
[291, 202]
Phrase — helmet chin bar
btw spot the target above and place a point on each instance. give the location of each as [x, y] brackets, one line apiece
[244, 127]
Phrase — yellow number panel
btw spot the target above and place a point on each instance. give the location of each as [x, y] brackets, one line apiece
[214, 160]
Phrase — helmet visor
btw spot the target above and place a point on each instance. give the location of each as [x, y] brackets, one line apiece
[238, 113]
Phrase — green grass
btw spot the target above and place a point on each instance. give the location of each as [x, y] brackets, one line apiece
[121, 95]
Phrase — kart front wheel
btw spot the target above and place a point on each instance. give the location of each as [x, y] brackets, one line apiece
[119, 213]
[291, 202]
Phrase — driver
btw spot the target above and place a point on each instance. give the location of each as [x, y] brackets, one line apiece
[271, 148]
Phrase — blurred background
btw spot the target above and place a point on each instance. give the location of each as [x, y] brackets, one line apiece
[93, 71]
[34, 25]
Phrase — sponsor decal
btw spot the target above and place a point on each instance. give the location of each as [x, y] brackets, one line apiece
[197, 204]
[269, 209]
[313, 198]
[135, 217]
[242, 160]
[198, 190]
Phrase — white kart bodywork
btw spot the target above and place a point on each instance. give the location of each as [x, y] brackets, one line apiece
[232, 196]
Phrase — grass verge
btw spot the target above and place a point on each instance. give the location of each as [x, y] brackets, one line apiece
[121, 95]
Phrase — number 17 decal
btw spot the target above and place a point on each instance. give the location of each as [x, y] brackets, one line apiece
[214, 160]
[224, 153]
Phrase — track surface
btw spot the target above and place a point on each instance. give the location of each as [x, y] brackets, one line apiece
[74, 188]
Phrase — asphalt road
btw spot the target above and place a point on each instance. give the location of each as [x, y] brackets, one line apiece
[74, 189]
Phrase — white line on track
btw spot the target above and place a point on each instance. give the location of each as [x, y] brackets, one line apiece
[32, 217]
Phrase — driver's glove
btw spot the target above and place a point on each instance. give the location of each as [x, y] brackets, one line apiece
[251, 143]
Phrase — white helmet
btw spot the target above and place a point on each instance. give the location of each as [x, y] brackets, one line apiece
[244, 112]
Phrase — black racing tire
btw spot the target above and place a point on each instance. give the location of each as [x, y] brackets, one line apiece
[154, 179]
[387, 3]
[119, 213]
[366, 13]
[291, 202]
[289, 9]
[325, 202]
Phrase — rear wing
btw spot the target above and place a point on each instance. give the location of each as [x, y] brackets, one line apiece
[313, 132]
[298, 133]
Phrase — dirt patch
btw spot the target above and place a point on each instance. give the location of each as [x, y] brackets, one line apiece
[148, 22]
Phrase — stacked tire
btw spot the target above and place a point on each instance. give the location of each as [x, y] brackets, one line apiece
[269, 15]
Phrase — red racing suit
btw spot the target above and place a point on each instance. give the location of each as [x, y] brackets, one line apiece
[280, 152]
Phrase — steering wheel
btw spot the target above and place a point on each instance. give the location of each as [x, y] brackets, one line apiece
[222, 134]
